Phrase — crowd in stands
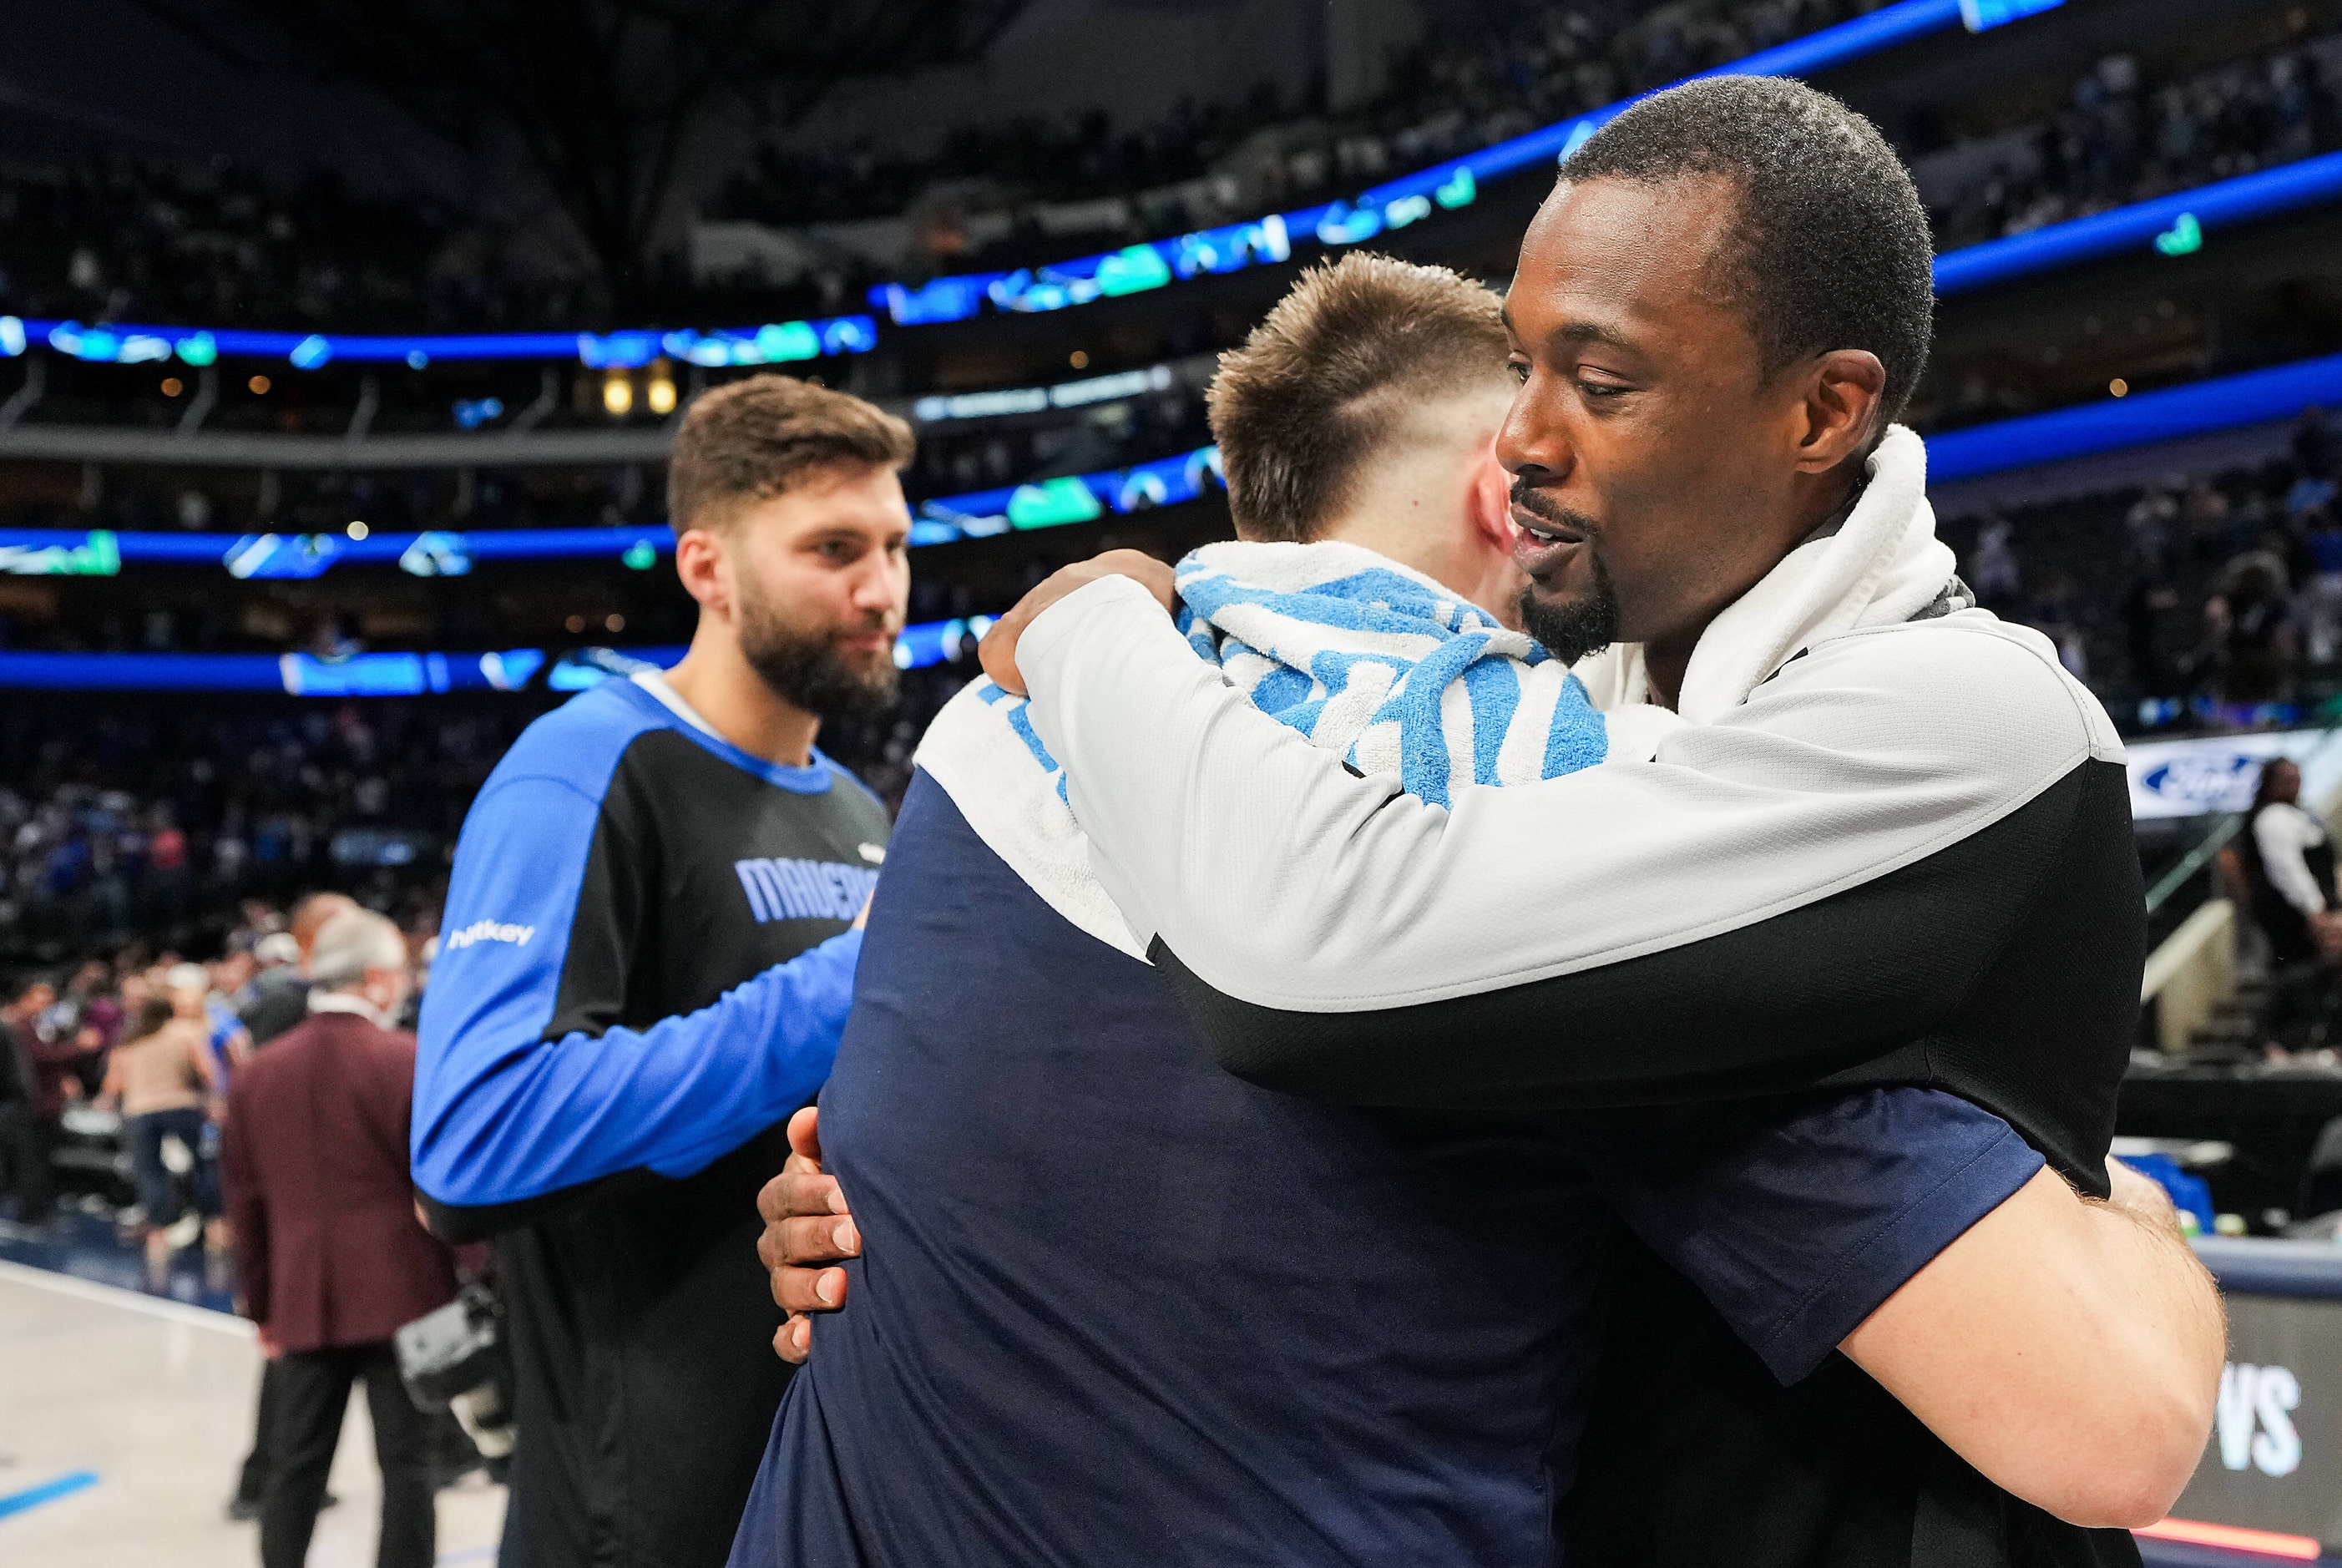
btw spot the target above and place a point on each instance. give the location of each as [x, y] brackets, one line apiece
[153, 1036]
[1506, 67]
[122, 238]
[135, 239]
[2225, 603]
[2123, 138]
[166, 820]
[163, 818]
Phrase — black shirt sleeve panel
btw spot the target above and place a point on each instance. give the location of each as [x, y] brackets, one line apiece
[1771, 1008]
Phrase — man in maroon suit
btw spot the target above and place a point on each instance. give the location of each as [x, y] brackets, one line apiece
[327, 1247]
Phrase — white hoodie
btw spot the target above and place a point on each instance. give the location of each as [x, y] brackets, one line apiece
[1860, 810]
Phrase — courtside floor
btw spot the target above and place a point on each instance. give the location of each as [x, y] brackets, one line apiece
[122, 1419]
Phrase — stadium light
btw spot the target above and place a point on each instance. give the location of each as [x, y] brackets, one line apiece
[658, 394]
[617, 393]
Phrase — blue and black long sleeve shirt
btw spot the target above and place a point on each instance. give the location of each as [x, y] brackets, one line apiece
[645, 967]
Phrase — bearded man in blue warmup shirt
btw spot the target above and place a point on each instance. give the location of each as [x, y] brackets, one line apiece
[647, 963]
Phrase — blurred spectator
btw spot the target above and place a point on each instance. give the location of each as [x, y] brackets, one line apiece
[2288, 862]
[280, 992]
[2150, 523]
[62, 1050]
[2205, 516]
[225, 1040]
[1992, 570]
[2057, 613]
[161, 1075]
[328, 1250]
[23, 1142]
[2312, 446]
[279, 1002]
[2249, 629]
[2321, 594]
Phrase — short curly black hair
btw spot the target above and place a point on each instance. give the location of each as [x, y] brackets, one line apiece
[1831, 248]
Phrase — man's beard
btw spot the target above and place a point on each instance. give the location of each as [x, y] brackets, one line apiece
[807, 669]
[1571, 631]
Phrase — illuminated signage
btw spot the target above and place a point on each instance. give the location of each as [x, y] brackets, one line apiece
[404, 675]
[98, 555]
[1036, 399]
[1074, 498]
[2220, 773]
[775, 343]
[1978, 15]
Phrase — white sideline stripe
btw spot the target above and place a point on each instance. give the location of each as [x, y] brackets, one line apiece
[133, 1301]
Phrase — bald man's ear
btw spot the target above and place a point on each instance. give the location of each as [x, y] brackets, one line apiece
[1842, 411]
[1491, 500]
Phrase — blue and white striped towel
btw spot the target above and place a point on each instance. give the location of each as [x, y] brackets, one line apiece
[1370, 659]
[1365, 656]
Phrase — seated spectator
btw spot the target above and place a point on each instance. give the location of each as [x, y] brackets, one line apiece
[331, 1256]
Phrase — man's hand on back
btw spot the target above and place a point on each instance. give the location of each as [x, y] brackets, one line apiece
[998, 652]
[806, 1229]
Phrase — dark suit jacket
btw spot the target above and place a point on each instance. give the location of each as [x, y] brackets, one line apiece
[327, 1247]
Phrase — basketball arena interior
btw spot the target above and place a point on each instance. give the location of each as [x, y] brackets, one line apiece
[580, 576]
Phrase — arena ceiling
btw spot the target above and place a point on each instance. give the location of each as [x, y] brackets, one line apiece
[602, 97]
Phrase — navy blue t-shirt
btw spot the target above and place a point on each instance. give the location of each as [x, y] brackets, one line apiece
[1116, 1305]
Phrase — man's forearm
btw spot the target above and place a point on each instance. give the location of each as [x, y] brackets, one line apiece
[2067, 1348]
[558, 1114]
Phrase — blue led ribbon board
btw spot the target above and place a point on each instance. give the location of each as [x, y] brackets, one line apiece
[777, 342]
[404, 674]
[1394, 205]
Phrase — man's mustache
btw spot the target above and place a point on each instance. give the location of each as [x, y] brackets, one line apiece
[1538, 503]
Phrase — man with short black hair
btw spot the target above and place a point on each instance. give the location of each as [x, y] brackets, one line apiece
[644, 963]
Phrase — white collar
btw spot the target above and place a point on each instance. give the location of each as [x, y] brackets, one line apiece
[346, 1002]
[656, 683]
[1882, 565]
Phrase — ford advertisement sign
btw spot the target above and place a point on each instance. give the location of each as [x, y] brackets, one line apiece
[2220, 773]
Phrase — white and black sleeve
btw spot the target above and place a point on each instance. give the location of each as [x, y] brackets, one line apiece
[1825, 871]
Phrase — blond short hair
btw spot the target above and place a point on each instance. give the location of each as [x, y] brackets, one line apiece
[758, 437]
[1324, 380]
